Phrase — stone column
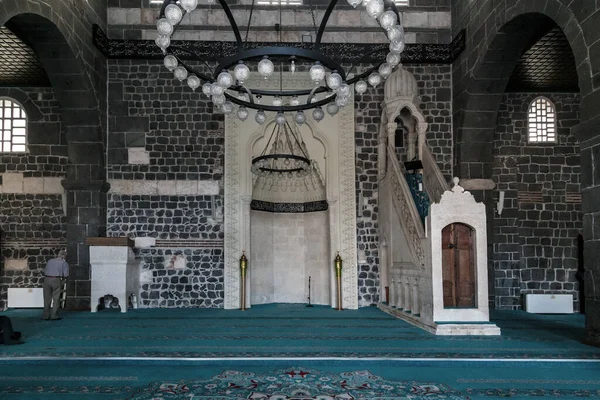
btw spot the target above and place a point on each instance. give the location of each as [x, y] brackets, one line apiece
[407, 295]
[416, 309]
[382, 161]
[86, 217]
[398, 292]
[421, 131]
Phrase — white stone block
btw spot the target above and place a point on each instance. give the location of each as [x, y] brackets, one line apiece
[133, 16]
[440, 20]
[33, 185]
[145, 187]
[144, 242]
[415, 19]
[15, 264]
[138, 155]
[167, 188]
[187, 187]
[121, 186]
[53, 185]
[348, 18]
[208, 188]
[117, 16]
[12, 182]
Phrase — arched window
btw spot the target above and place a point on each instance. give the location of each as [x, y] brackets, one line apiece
[13, 127]
[541, 121]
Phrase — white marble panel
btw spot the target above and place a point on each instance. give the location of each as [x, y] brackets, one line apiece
[12, 182]
[15, 264]
[34, 185]
[53, 185]
[138, 155]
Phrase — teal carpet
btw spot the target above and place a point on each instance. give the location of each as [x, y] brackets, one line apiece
[280, 352]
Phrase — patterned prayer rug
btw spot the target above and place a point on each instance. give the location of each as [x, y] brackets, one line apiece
[296, 384]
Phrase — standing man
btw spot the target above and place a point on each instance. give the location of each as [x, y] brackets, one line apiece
[56, 270]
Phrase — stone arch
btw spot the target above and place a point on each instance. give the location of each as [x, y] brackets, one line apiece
[17, 95]
[61, 38]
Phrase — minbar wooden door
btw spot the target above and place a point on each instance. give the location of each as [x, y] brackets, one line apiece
[458, 266]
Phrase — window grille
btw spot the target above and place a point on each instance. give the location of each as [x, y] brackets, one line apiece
[13, 127]
[279, 2]
[541, 121]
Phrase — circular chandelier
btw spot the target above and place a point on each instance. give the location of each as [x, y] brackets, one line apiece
[228, 85]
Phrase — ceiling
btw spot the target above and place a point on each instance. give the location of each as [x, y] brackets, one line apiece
[548, 66]
[19, 65]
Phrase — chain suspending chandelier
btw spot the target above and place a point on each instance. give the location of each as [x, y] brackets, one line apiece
[228, 84]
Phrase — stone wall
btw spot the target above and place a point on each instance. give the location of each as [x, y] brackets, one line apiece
[426, 21]
[535, 237]
[32, 219]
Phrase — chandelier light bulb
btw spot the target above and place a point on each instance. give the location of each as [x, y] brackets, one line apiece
[397, 47]
[219, 100]
[374, 79]
[280, 118]
[164, 27]
[300, 118]
[360, 87]
[163, 42]
[393, 59]
[388, 19]
[216, 89]
[189, 5]
[260, 117]
[277, 102]
[396, 34]
[265, 67]
[334, 80]
[173, 13]
[354, 3]
[385, 70]
[375, 8]
[225, 79]
[243, 96]
[180, 73]
[207, 89]
[241, 72]
[227, 107]
[342, 101]
[318, 114]
[193, 82]
[171, 62]
[294, 101]
[332, 108]
[343, 90]
[242, 113]
[317, 73]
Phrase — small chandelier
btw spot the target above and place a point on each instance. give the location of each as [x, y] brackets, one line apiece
[228, 85]
[285, 154]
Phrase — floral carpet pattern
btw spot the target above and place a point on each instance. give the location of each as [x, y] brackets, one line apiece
[296, 384]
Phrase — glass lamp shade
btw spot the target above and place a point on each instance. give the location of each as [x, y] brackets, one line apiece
[219, 100]
[242, 113]
[163, 42]
[171, 62]
[207, 88]
[374, 79]
[164, 27]
[294, 101]
[173, 13]
[260, 117]
[388, 19]
[227, 107]
[360, 87]
[395, 34]
[397, 47]
[180, 73]
[385, 70]
[241, 72]
[317, 73]
[354, 3]
[277, 101]
[375, 8]
[216, 90]
[193, 82]
[393, 59]
[342, 101]
[318, 114]
[189, 5]
[225, 79]
[265, 67]
[343, 90]
[300, 118]
[332, 108]
[334, 80]
[280, 119]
